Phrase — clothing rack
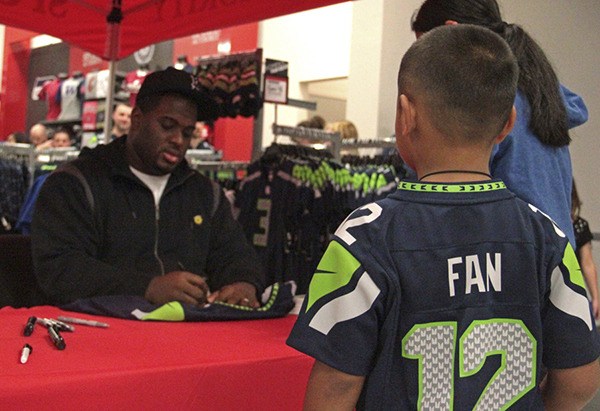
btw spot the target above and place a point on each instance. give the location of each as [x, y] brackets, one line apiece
[220, 165]
[27, 155]
[56, 155]
[18, 152]
[312, 136]
[226, 173]
[387, 142]
[199, 156]
[307, 193]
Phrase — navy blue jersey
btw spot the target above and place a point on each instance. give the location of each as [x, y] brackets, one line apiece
[268, 205]
[448, 296]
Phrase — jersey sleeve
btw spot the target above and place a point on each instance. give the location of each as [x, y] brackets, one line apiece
[339, 320]
[43, 91]
[570, 335]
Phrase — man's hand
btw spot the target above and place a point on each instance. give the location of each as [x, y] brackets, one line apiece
[240, 293]
[181, 286]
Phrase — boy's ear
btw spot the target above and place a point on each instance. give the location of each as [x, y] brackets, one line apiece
[406, 116]
[450, 22]
[510, 123]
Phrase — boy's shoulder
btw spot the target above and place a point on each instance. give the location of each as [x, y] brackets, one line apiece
[415, 219]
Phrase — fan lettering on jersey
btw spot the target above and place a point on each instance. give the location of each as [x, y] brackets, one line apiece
[468, 270]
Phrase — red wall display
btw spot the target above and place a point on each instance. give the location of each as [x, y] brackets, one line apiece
[14, 90]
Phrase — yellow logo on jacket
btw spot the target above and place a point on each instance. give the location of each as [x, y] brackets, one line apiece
[198, 219]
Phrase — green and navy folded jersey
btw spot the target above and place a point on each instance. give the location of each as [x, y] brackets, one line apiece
[448, 296]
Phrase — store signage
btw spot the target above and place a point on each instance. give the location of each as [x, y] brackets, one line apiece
[276, 89]
[304, 132]
[276, 67]
[89, 59]
[89, 115]
[208, 37]
[144, 55]
[276, 81]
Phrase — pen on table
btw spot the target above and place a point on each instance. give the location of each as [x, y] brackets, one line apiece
[28, 330]
[83, 322]
[59, 325]
[57, 339]
[25, 353]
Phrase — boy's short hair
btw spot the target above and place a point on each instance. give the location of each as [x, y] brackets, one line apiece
[466, 76]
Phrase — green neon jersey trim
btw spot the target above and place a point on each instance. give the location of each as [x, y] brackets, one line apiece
[334, 271]
[172, 311]
[451, 188]
[570, 261]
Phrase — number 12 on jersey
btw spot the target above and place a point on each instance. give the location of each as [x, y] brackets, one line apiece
[434, 346]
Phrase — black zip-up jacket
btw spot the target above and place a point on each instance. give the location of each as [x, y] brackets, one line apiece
[109, 238]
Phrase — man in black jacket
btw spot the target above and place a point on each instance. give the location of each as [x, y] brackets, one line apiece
[132, 218]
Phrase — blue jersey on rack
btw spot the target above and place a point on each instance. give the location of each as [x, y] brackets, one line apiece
[448, 296]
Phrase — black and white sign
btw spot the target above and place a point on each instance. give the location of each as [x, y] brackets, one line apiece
[276, 89]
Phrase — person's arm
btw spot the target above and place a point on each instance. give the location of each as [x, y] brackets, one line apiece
[577, 112]
[45, 145]
[180, 286]
[570, 388]
[332, 390]
[66, 246]
[239, 293]
[588, 267]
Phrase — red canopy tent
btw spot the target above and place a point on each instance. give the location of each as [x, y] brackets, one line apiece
[133, 24]
[114, 29]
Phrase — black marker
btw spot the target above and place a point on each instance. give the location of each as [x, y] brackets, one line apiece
[63, 326]
[29, 326]
[206, 290]
[57, 339]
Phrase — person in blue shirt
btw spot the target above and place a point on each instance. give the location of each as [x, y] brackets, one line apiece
[451, 293]
[534, 159]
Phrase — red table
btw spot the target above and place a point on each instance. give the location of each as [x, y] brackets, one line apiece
[136, 365]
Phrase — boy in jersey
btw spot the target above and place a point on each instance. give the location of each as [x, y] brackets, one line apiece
[451, 293]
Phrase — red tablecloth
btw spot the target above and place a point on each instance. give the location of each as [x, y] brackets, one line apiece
[135, 365]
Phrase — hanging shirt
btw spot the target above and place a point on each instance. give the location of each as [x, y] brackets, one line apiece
[49, 93]
[70, 98]
[133, 82]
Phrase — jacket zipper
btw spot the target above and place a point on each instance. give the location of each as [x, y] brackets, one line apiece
[157, 224]
[156, 232]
